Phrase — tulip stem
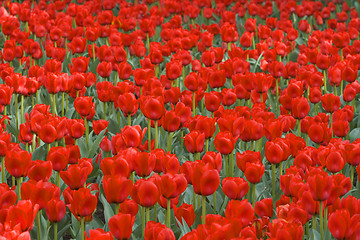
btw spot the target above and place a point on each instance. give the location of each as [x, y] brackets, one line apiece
[231, 164]
[18, 181]
[54, 104]
[254, 195]
[86, 132]
[82, 225]
[352, 174]
[129, 119]
[143, 220]
[93, 52]
[194, 198]
[299, 128]
[226, 166]
[16, 110]
[149, 134]
[273, 168]
[55, 230]
[203, 209]
[281, 168]
[13, 180]
[156, 134]
[38, 224]
[325, 80]
[63, 104]
[22, 109]
[169, 142]
[104, 109]
[147, 211]
[321, 220]
[207, 144]
[3, 170]
[57, 178]
[167, 219]
[117, 208]
[194, 105]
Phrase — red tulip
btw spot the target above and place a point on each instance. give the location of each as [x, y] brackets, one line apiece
[116, 188]
[194, 141]
[300, 107]
[75, 175]
[22, 214]
[339, 223]
[145, 192]
[39, 192]
[185, 212]
[40, 170]
[264, 207]
[98, 234]
[158, 231]
[84, 106]
[17, 162]
[59, 157]
[83, 204]
[330, 102]
[241, 210]
[205, 180]
[234, 187]
[171, 186]
[225, 142]
[143, 163]
[152, 107]
[120, 226]
[55, 210]
[254, 172]
[320, 186]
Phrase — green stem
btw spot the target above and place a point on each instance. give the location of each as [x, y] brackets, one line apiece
[226, 165]
[147, 211]
[19, 181]
[148, 43]
[143, 220]
[207, 144]
[167, 219]
[129, 120]
[93, 51]
[156, 134]
[194, 105]
[13, 180]
[86, 132]
[231, 164]
[16, 110]
[57, 178]
[55, 230]
[149, 134]
[38, 224]
[104, 109]
[299, 127]
[321, 220]
[54, 104]
[325, 81]
[3, 180]
[82, 224]
[281, 168]
[63, 104]
[273, 168]
[22, 110]
[203, 209]
[169, 142]
[352, 174]
[253, 195]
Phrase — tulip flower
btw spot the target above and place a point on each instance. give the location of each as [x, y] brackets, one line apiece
[120, 226]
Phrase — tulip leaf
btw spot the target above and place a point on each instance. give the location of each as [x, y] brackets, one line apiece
[257, 62]
[40, 153]
[354, 134]
[11, 127]
[108, 211]
[314, 235]
[184, 228]
[95, 145]
[114, 126]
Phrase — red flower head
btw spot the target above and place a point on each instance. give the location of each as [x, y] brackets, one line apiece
[194, 141]
[320, 186]
[254, 172]
[82, 204]
[17, 162]
[225, 142]
[264, 208]
[171, 186]
[235, 187]
[330, 102]
[158, 231]
[152, 107]
[185, 212]
[120, 225]
[55, 210]
[104, 69]
[23, 214]
[170, 121]
[229, 33]
[240, 210]
[205, 179]
[116, 188]
[84, 106]
[59, 157]
[77, 45]
[75, 176]
[39, 192]
[145, 192]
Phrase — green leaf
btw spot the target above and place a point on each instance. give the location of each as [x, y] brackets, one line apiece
[184, 228]
[108, 211]
[96, 144]
[40, 153]
[354, 134]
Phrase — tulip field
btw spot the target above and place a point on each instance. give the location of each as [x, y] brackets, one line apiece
[179, 119]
